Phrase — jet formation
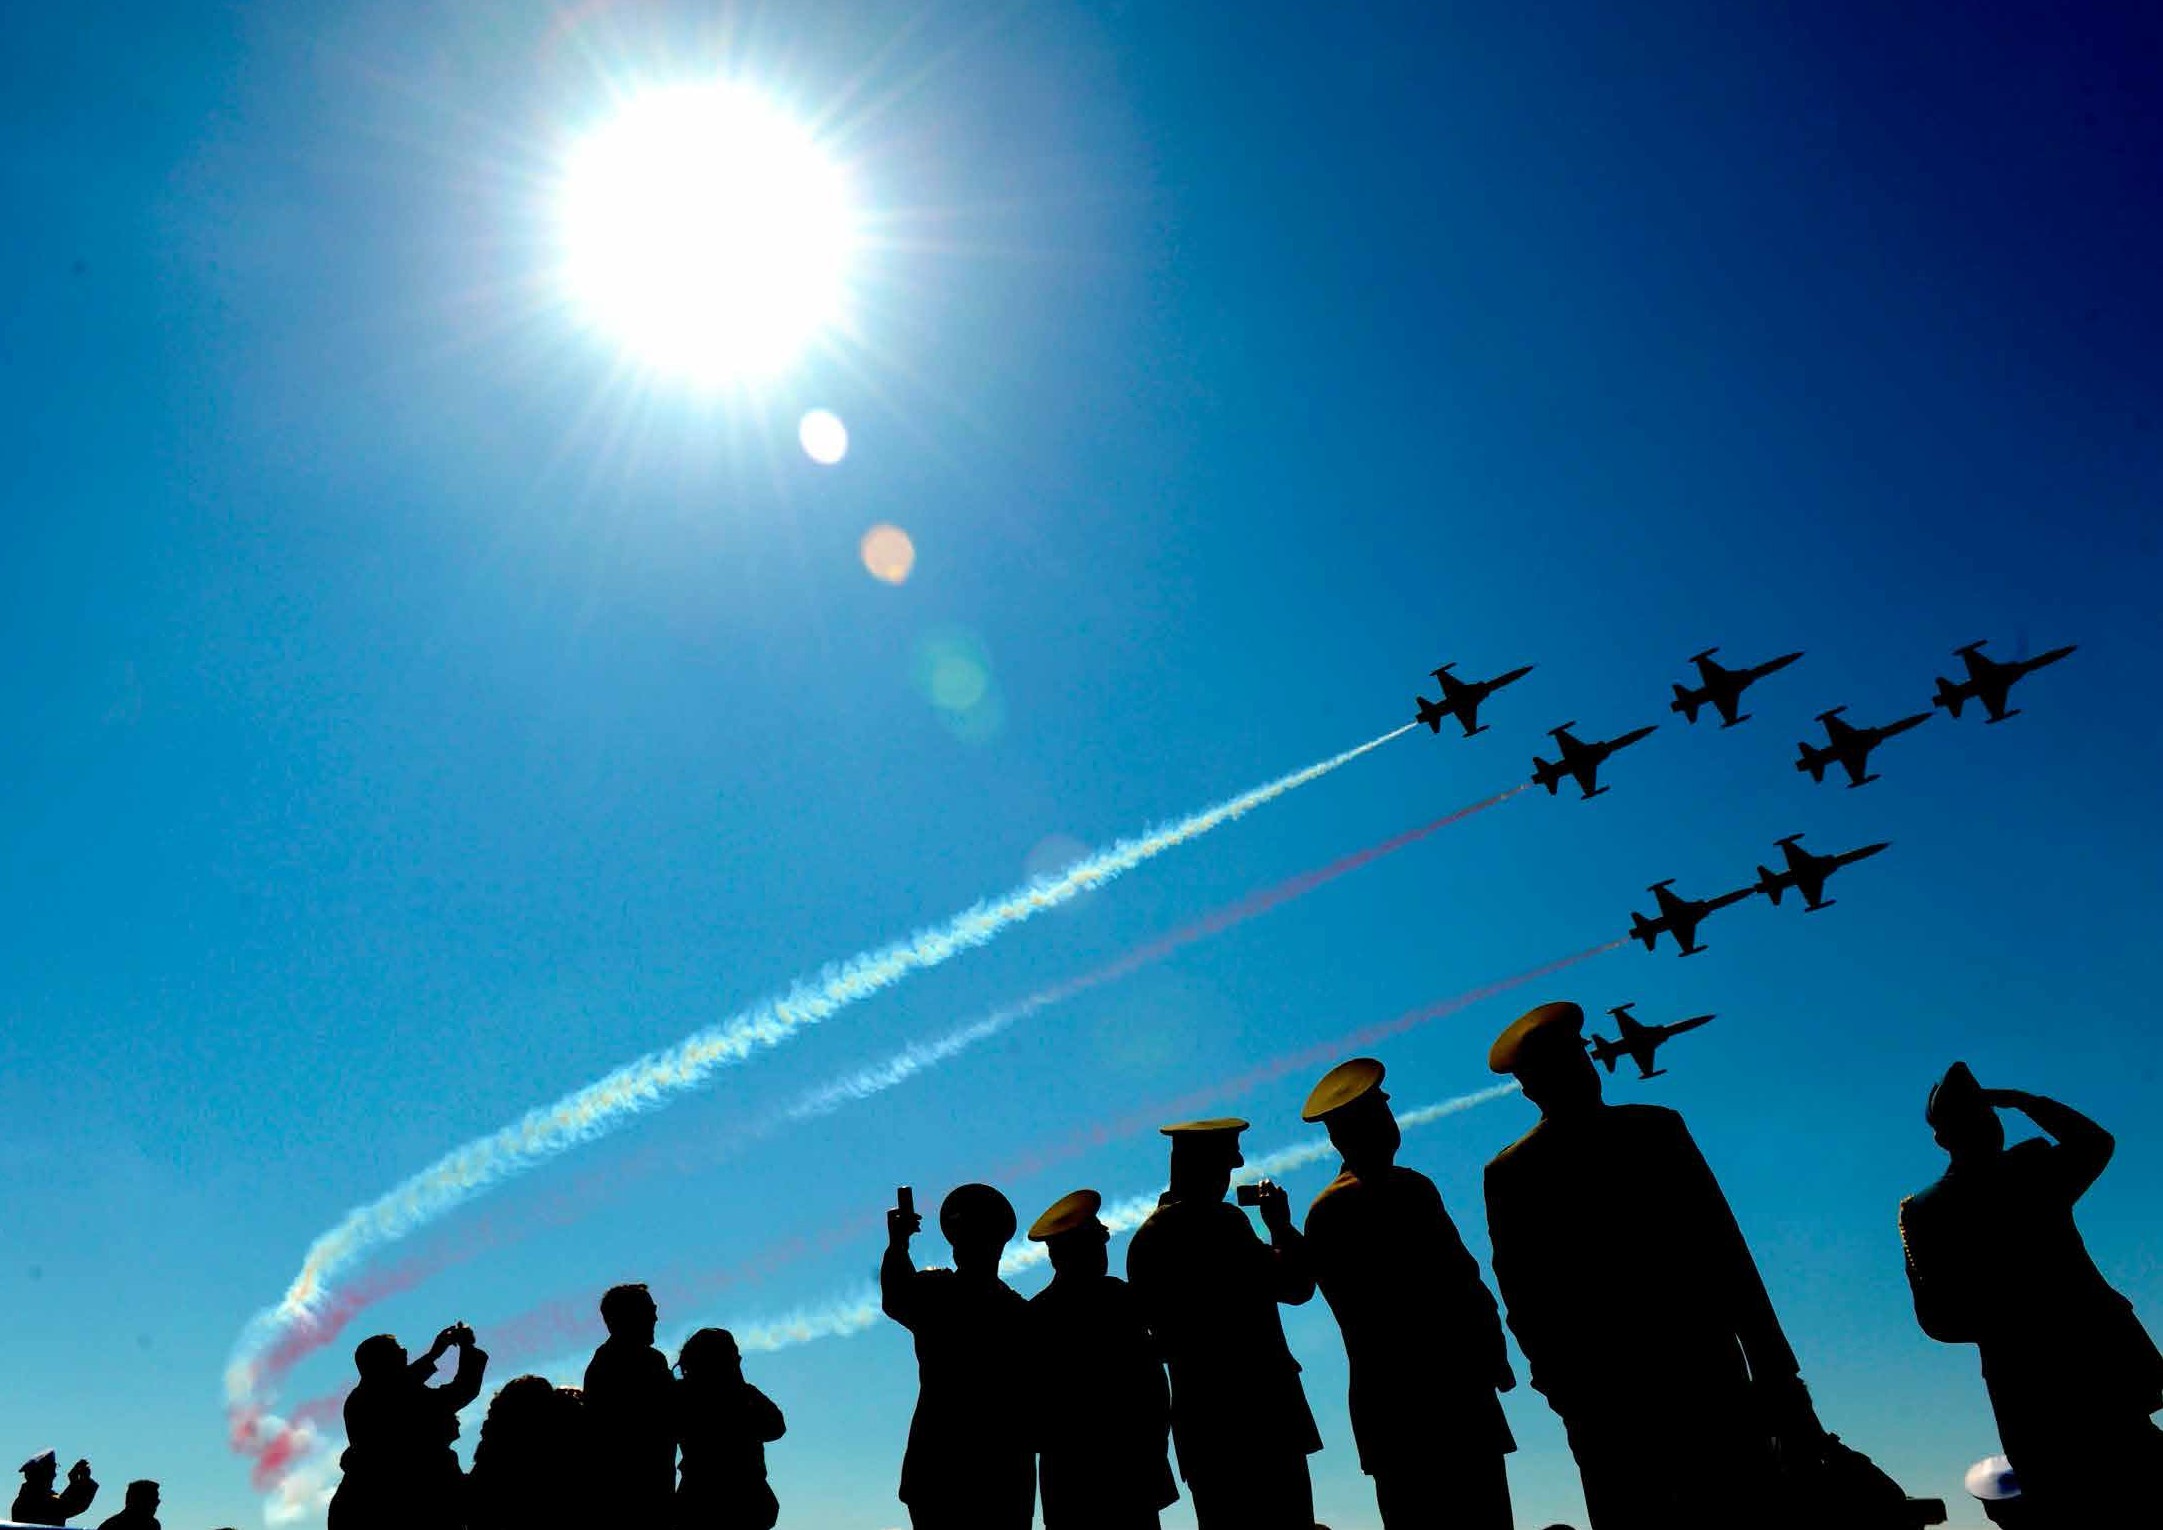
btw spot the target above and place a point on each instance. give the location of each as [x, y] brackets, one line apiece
[1989, 680]
[1850, 747]
[1581, 761]
[1638, 1041]
[1723, 687]
[1461, 698]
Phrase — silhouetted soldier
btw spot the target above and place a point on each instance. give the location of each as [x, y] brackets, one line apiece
[1421, 1331]
[970, 1465]
[1634, 1298]
[38, 1504]
[1210, 1290]
[531, 1468]
[1103, 1409]
[138, 1511]
[725, 1424]
[1996, 1261]
[400, 1470]
[631, 1408]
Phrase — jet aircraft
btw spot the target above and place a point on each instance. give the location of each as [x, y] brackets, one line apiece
[1680, 916]
[1581, 761]
[1989, 680]
[1461, 698]
[1639, 1041]
[1850, 746]
[1806, 873]
[1723, 687]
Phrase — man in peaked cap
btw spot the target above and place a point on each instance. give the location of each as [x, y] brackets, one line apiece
[1210, 1290]
[1635, 1299]
[969, 1465]
[1104, 1411]
[1421, 1331]
[1995, 1260]
[38, 1504]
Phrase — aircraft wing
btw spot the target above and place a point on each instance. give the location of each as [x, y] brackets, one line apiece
[1856, 762]
[1642, 1055]
[1979, 668]
[1729, 702]
[1452, 687]
[1993, 696]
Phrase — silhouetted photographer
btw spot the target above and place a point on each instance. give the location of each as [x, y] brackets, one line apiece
[725, 1424]
[1210, 1289]
[1995, 1260]
[1103, 1410]
[401, 1472]
[971, 1464]
[1635, 1299]
[38, 1504]
[1421, 1331]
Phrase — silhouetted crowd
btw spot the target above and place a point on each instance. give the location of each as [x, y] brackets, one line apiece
[1627, 1283]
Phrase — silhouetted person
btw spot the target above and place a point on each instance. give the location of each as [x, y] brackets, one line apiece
[1992, 1483]
[1635, 1299]
[400, 1470]
[1996, 1261]
[1103, 1409]
[531, 1466]
[970, 1464]
[725, 1424]
[138, 1511]
[38, 1504]
[631, 1409]
[1421, 1330]
[1210, 1290]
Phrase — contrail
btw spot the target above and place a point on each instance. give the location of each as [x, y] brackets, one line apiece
[651, 1080]
[324, 1324]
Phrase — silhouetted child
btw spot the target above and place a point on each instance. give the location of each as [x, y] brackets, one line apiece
[38, 1504]
[530, 1466]
[725, 1425]
[970, 1463]
[400, 1470]
[139, 1510]
[631, 1408]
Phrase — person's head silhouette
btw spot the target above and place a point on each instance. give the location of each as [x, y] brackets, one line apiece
[1204, 1154]
[629, 1313]
[978, 1222]
[711, 1355]
[1961, 1116]
[1545, 1049]
[1073, 1235]
[142, 1496]
[42, 1470]
[1354, 1108]
[379, 1357]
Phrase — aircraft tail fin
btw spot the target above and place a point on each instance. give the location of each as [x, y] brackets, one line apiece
[1768, 883]
[1547, 775]
[1814, 761]
[1607, 1059]
[1430, 713]
[1686, 702]
[1643, 929]
[1949, 697]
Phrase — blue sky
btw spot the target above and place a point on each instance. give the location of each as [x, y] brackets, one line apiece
[407, 721]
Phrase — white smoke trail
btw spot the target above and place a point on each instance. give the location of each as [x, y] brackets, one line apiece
[652, 1080]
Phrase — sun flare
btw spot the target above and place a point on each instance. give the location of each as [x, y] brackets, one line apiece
[706, 232]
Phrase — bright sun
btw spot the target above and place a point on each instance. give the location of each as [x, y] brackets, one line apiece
[706, 232]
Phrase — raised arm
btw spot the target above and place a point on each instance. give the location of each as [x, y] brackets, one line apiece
[465, 1383]
[1293, 1270]
[2084, 1148]
[897, 1271]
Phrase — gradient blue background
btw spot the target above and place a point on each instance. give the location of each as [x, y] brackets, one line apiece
[405, 720]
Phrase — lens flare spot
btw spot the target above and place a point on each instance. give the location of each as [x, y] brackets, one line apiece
[824, 438]
[888, 554]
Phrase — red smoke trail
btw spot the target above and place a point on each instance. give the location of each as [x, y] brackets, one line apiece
[604, 1184]
[553, 1326]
